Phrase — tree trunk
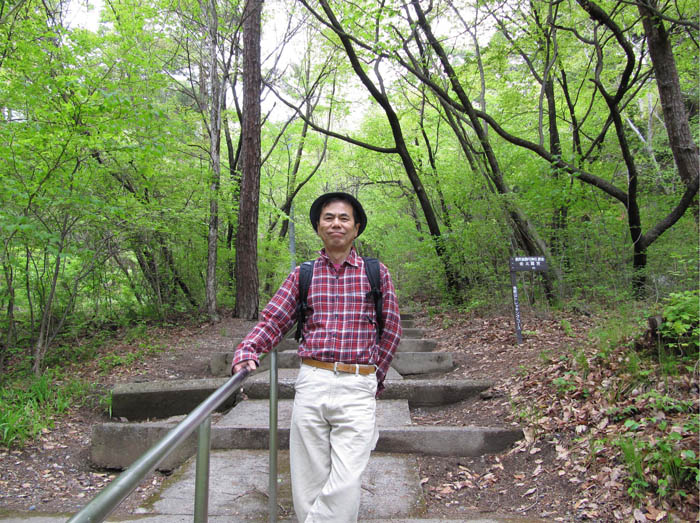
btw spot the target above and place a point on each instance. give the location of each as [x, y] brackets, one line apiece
[9, 338]
[233, 156]
[685, 150]
[247, 297]
[215, 158]
[44, 326]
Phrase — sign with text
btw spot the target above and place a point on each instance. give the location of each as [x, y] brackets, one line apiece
[521, 264]
[528, 263]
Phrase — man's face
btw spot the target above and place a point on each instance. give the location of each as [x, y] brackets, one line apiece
[336, 226]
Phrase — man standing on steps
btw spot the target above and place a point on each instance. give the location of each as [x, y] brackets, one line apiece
[344, 364]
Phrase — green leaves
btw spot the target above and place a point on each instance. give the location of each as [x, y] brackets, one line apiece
[681, 320]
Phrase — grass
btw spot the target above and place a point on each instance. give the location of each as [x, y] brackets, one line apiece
[29, 404]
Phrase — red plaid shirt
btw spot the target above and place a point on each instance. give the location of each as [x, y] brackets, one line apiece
[340, 322]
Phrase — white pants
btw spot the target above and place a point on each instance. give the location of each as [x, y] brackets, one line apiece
[332, 433]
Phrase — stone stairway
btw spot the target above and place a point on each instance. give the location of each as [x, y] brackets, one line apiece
[240, 433]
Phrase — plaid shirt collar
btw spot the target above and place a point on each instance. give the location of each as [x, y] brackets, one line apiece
[352, 259]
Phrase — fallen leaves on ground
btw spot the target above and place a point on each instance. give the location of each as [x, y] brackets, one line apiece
[573, 404]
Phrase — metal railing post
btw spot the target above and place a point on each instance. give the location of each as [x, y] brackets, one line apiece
[102, 505]
[272, 488]
[201, 483]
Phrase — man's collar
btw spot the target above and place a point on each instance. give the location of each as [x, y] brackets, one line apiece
[352, 259]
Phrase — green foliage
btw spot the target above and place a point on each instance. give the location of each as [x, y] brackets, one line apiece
[565, 384]
[106, 403]
[681, 321]
[106, 194]
[566, 327]
[662, 462]
[29, 405]
[581, 361]
[633, 458]
[136, 333]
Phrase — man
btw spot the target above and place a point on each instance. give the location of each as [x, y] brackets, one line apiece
[333, 428]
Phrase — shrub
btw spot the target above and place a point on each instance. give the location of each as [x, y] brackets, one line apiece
[680, 328]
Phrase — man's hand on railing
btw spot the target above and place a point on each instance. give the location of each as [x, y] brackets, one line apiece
[249, 364]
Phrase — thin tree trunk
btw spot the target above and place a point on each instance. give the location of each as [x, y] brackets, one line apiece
[233, 155]
[40, 345]
[9, 338]
[215, 158]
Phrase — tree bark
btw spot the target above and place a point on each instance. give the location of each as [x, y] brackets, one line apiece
[214, 99]
[685, 150]
[247, 295]
[234, 154]
[9, 337]
[41, 343]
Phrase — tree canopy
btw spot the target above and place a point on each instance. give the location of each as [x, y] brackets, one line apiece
[470, 131]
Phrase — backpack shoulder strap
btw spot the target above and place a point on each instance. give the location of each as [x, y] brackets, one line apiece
[372, 271]
[306, 274]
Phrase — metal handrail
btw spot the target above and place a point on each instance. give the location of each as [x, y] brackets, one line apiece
[106, 501]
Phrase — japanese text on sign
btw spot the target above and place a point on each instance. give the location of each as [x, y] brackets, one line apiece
[528, 263]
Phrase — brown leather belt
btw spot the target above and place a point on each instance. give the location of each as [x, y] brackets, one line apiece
[352, 368]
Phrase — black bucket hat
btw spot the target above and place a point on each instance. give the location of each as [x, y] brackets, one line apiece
[315, 212]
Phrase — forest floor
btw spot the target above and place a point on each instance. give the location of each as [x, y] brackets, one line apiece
[560, 471]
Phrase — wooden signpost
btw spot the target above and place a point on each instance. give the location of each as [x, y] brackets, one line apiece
[521, 264]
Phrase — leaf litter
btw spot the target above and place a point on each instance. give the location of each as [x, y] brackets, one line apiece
[566, 464]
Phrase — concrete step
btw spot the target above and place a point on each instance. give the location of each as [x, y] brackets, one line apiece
[117, 445]
[243, 495]
[416, 345]
[418, 393]
[412, 333]
[407, 324]
[255, 414]
[163, 399]
[420, 363]
[408, 362]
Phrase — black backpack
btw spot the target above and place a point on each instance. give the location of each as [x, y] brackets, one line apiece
[306, 273]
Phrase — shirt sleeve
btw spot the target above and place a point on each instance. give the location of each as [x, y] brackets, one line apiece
[391, 335]
[276, 319]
